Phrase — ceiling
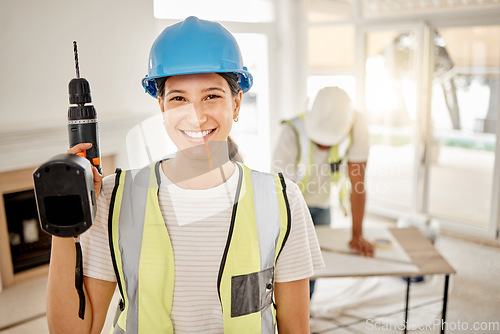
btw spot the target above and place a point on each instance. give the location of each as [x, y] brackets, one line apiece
[332, 45]
[328, 10]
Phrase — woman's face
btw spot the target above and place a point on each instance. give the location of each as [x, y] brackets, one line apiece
[198, 108]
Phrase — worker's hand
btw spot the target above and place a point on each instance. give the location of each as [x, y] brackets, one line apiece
[361, 246]
[82, 147]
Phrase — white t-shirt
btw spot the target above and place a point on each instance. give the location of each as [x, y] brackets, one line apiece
[198, 223]
[317, 193]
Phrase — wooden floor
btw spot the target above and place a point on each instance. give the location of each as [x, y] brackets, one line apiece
[473, 296]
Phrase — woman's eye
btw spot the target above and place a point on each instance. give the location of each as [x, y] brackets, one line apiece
[177, 98]
[212, 96]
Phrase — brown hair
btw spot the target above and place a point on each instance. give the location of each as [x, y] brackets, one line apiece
[231, 78]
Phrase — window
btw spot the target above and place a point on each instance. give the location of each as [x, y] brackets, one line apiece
[331, 46]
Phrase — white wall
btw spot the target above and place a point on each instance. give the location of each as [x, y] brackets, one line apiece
[36, 58]
[37, 63]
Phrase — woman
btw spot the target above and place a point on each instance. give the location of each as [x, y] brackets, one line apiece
[239, 246]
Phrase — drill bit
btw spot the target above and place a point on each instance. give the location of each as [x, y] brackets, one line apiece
[77, 66]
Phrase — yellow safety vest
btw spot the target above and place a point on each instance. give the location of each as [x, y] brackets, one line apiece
[144, 262]
[304, 161]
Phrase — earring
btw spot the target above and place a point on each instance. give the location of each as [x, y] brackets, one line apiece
[236, 118]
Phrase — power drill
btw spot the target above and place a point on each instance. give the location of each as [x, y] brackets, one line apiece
[82, 119]
[64, 186]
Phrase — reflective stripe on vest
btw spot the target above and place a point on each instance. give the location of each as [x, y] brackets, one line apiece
[304, 162]
[144, 263]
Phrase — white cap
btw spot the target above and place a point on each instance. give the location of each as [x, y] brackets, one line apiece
[330, 118]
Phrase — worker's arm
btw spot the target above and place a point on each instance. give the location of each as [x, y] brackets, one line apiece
[358, 198]
[292, 306]
[62, 297]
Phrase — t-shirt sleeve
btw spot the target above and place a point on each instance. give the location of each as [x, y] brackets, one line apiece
[360, 146]
[97, 261]
[286, 154]
[301, 255]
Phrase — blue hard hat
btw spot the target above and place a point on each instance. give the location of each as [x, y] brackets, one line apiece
[195, 46]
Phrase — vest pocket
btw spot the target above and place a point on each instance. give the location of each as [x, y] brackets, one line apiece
[252, 292]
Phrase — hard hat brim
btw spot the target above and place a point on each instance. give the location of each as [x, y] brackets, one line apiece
[245, 80]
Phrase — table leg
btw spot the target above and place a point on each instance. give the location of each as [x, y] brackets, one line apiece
[408, 281]
[445, 303]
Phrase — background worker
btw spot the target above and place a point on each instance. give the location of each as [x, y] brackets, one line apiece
[312, 150]
[189, 245]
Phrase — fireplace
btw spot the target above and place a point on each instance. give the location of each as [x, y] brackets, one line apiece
[29, 245]
[23, 148]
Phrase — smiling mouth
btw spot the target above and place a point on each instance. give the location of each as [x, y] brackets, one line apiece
[197, 134]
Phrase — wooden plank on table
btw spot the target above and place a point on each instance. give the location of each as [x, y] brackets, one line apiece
[346, 265]
[421, 251]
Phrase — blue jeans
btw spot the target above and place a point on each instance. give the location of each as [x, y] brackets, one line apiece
[320, 216]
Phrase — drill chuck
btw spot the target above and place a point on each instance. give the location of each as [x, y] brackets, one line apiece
[79, 91]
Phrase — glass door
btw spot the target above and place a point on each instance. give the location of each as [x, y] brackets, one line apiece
[432, 100]
[465, 109]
